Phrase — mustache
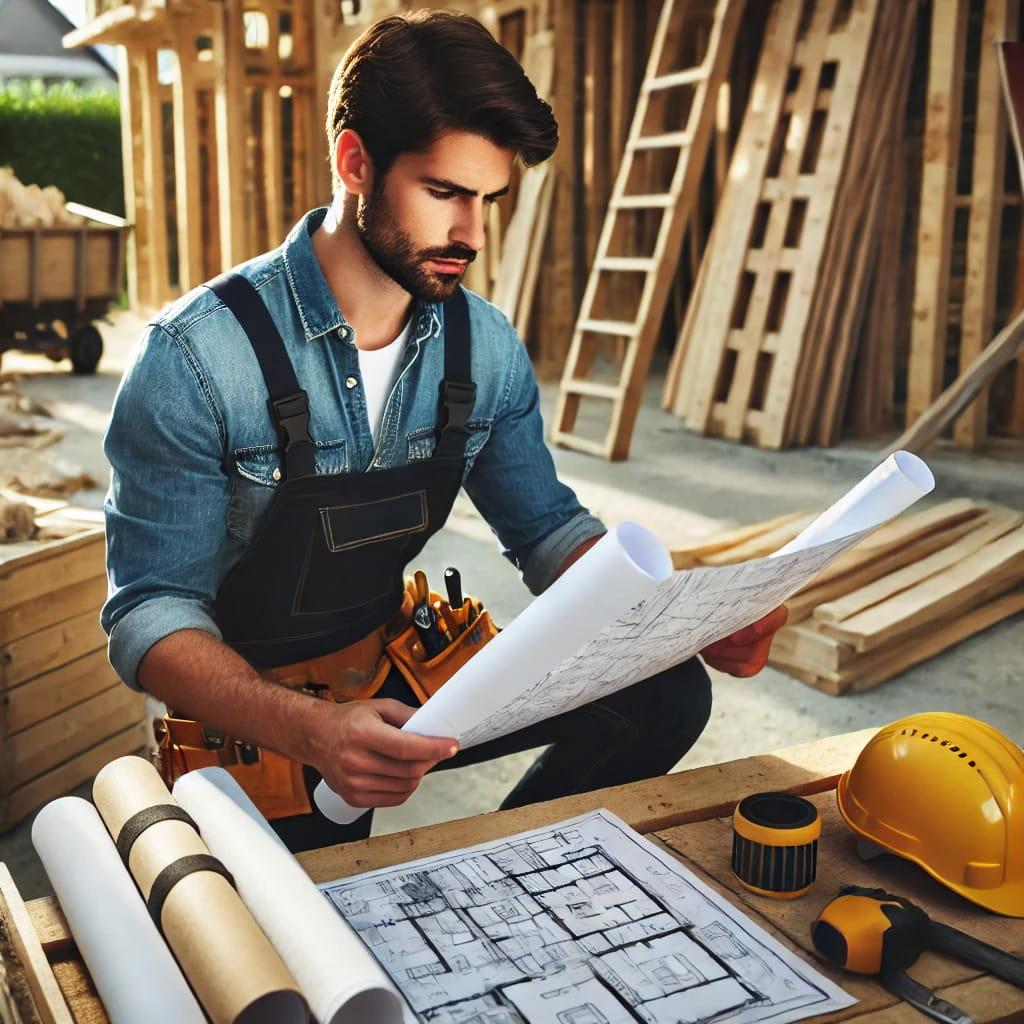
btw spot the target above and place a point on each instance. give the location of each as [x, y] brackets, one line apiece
[453, 252]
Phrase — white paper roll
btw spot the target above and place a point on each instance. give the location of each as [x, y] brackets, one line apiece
[133, 970]
[336, 973]
[889, 489]
[621, 568]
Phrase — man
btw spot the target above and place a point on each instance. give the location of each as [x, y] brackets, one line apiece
[256, 549]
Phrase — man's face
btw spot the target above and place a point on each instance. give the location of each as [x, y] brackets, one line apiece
[423, 224]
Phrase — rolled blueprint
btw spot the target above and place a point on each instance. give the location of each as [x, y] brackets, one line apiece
[623, 567]
[339, 977]
[889, 489]
[234, 970]
[129, 962]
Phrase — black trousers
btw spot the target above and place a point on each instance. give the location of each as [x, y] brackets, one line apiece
[637, 733]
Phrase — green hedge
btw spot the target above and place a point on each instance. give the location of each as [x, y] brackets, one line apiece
[67, 136]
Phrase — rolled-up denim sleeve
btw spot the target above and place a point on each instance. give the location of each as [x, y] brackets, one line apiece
[537, 518]
[166, 510]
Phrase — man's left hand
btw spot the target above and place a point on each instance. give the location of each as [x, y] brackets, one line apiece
[745, 653]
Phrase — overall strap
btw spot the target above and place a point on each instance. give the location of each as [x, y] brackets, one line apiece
[288, 403]
[458, 392]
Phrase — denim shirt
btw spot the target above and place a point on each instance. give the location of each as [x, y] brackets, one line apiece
[194, 455]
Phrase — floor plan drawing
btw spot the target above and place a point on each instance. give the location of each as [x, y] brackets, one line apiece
[584, 922]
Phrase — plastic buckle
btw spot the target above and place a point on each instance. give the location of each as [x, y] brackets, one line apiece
[213, 738]
[292, 416]
[458, 399]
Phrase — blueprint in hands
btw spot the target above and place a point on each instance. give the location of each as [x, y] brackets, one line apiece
[583, 922]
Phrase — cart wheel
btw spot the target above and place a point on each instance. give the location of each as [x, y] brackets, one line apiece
[86, 347]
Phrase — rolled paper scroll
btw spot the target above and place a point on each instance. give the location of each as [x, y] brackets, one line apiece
[336, 972]
[235, 971]
[129, 962]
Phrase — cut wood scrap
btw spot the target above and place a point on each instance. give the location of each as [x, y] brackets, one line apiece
[878, 666]
[804, 645]
[694, 554]
[763, 544]
[38, 974]
[985, 529]
[995, 569]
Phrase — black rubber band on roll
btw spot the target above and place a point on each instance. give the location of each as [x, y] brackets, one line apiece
[140, 821]
[174, 873]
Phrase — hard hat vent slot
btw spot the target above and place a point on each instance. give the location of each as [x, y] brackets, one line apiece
[948, 744]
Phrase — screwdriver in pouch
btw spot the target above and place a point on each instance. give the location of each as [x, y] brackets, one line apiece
[868, 931]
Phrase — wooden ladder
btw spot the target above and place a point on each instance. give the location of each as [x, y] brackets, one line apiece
[687, 96]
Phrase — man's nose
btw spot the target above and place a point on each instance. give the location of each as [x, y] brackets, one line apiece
[469, 231]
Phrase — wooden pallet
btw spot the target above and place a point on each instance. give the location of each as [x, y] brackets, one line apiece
[654, 195]
[961, 216]
[910, 590]
[765, 352]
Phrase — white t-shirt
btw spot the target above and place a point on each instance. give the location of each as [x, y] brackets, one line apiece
[377, 368]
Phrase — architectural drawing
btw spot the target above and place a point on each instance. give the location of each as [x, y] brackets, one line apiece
[584, 922]
[680, 617]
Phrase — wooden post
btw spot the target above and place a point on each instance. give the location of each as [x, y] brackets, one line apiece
[938, 186]
[151, 205]
[131, 164]
[186, 160]
[229, 54]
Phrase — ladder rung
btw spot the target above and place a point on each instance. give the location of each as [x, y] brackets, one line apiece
[565, 439]
[619, 328]
[649, 202]
[674, 78]
[670, 140]
[640, 263]
[592, 389]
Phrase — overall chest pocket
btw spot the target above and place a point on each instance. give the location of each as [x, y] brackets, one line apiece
[257, 473]
[422, 441]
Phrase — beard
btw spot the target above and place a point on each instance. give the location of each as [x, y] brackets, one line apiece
[393, 250]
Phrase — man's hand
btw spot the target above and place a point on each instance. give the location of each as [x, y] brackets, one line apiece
[745, 653]
[366, 758]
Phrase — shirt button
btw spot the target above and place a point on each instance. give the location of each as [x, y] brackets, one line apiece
[276, 474]
[350, 382]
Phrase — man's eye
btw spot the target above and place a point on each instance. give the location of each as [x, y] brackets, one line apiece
[441, 195]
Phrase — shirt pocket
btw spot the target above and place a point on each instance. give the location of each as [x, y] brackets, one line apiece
[422, 441]
[257, 474]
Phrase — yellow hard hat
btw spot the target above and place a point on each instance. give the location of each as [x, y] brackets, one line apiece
[946, 792]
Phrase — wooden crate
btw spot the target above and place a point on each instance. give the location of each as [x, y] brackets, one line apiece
[909, 591]
[63, 712]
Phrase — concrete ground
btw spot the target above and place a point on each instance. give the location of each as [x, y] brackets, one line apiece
[681, 486]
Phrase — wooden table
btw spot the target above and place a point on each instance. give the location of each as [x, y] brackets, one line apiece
[687, 813]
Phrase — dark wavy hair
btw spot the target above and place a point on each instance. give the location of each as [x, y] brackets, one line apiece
[411, 76]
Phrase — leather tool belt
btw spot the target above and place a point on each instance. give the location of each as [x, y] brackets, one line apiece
[275, 783]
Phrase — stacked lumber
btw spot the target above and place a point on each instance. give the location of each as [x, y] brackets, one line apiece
[782, 294]
[63, 711]
[907, 592]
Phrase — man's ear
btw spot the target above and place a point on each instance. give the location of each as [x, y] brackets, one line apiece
[353, 163]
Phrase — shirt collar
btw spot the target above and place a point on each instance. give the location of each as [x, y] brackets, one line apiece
[313, 297]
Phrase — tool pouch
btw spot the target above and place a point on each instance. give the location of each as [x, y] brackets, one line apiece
[275, 783]
[426, 677]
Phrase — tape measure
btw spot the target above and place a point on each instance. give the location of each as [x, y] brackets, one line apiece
[775, 844]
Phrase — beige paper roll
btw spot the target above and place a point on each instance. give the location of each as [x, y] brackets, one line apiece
[235, 971]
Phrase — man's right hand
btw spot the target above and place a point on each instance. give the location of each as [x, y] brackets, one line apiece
[365, 757]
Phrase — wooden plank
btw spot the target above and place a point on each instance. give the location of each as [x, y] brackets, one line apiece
[992, 571]
[25, 799]
[48, 609]
[42, 984]
[763, 544]
[988, 528]
[805, 646]
[51, 692]
[186, 159]
[943, 118]
[879, 666]
[229, 63]
[151, 202]
[49, 648]
[45, 745]
[826, 587]
[690, 555]
[647, 806]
